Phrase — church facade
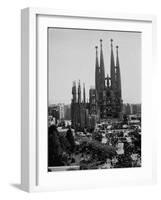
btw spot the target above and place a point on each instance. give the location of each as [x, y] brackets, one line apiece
[108, 87]
[105, 99]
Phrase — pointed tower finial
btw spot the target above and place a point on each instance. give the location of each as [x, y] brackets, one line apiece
[101, 42]
[111, 42]
[96, 47]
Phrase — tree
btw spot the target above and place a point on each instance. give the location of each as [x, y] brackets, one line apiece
[97, 136]
[65, 145]
[54, 147]
[70, 138]
[99, 151]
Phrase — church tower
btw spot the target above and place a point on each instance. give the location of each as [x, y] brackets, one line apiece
[97, 73]
[118, 75]
[84, 94]
[74, 105]
[79, 92]
[112, 67]
[105, 100]
[102, 69]
[118, 92]
[74, 92]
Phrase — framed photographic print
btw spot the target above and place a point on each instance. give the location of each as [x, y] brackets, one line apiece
[87, 116]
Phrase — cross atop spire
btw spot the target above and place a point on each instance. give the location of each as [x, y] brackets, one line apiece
[117, 50]
[96, 47]
[111, 42]
[101, 43]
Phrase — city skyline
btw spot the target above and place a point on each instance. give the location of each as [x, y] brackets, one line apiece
[72, 57]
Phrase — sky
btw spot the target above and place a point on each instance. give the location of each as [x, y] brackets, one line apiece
[71, 57]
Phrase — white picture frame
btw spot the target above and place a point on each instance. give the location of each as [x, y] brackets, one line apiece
[34, 21]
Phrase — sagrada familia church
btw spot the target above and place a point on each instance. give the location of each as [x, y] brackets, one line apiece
[105, 99]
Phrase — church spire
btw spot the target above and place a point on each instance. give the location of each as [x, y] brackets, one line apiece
[84, 93]
[97, 71]
[117, 56]
[112, 67]
[74, 92]
[79, 92]
[102, 69]
[118, 75]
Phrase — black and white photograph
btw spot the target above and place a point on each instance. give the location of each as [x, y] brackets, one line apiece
[94, 99]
